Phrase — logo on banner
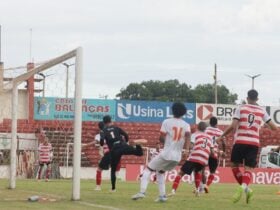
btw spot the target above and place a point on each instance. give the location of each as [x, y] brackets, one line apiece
[124, 111]
[130, 110]
[205, 112]
[43, 106]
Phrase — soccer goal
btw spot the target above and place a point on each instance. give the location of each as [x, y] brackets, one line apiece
[52, 81]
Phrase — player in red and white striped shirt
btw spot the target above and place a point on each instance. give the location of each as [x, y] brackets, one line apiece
[198, 157]
[45, 157]
[214, 133]
[246, 124]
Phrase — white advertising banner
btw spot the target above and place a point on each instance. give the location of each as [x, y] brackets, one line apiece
[224, 112]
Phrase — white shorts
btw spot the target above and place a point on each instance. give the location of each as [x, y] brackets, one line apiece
[160, 164]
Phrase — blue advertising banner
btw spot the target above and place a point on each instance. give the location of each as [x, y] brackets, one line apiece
[150, 111]
[51, 108]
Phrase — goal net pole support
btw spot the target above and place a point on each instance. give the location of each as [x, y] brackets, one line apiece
[13, 86]
[77, 126]
[13, 153]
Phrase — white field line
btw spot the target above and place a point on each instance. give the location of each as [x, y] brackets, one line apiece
[97, 205]
[63, 197]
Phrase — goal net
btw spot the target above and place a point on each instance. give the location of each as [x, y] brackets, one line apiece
[36, 93]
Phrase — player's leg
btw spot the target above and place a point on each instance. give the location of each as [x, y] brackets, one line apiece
[202, 186]
[237, 156]
[48, 171]
[213, 165]
[132, 150]
[197, 176]
[161, 186]
[145, 178]
[186, 168]
[250, 164]
[41, 166]
[104, 164]
[237, 159]
[116, 154]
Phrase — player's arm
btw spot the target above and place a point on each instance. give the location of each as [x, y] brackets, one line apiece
[276, 149]
[229, 129]
[271, 125]
[188, 144]
[102, 138]
[162, 137]
[124, 134]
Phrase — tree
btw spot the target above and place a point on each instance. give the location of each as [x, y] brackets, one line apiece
[173, 90]
[205, 94]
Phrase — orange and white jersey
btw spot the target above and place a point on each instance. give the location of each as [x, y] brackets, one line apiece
[250, 118]
[45, 153]
[175, 131]
[201, 149]
[214, 133]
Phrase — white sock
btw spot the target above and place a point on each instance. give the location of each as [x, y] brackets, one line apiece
[145, 180]
[161, 183]
[244, 186]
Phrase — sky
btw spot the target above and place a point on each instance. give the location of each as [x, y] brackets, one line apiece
[127, 41]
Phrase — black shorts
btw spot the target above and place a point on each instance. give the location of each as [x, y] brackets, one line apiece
[189, 167]
[246, 153]
[105, 161]
[43, 163]
[212, 164]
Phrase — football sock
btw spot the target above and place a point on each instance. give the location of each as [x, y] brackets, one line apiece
[197, 179]
[237, 174]
[98, 177]
[210, 179]
[176, 182]
[161, 183]
[145, 180]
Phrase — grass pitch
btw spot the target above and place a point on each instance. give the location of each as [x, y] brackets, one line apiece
[56, 194]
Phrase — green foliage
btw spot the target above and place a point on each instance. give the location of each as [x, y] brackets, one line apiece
[173, 90]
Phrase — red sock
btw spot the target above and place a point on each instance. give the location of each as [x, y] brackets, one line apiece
[176, 182]
[246, 178]
[48, 173]
[237, 174]
[154, 178]
[119, 166]
[210, 179]
[98, 177]
[197, 179]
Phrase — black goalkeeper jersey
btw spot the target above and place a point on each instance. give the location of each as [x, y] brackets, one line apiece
[112, 135]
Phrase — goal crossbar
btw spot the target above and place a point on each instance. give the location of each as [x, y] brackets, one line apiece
[23, 77]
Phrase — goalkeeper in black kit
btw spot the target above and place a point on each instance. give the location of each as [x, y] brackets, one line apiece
[118, 143]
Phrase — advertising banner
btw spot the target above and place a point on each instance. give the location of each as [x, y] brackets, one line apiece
[149, 111]
[63, 109]
[223, 112]
[274, 112]
[223, 175]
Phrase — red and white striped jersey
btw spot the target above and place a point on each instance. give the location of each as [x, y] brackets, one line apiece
[250, 118]
[201, 149]
[45, 153]
[214, 133]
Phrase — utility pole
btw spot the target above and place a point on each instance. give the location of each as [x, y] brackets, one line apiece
[253, 79]
[215, 84]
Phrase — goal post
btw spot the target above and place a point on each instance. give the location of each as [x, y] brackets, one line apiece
[13, 86]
